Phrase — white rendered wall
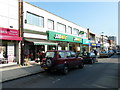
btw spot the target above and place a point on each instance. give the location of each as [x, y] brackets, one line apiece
[9, 13]
[47, 15]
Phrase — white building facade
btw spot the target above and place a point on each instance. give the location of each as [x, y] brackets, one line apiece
[9, 32]
[45, 31]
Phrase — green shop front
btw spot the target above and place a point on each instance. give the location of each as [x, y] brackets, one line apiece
[65, 41]
[86, 45]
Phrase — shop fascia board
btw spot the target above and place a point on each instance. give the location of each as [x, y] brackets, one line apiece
[40, 42]
[34, 32]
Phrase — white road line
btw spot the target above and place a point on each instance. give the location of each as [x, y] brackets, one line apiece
[56, 80]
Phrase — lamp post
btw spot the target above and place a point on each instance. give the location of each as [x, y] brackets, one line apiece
[102, 39]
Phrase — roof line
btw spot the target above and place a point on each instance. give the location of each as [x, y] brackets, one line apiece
[53, 14]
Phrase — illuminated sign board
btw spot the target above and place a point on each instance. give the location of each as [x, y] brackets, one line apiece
[86, 41]
[93, 44]
[63, 37]
[59, 36]
[77, 39]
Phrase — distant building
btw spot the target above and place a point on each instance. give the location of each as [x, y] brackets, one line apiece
[112, 41]
[113, 38]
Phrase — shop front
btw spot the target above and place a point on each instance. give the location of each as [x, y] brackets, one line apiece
[9, 48]
[86, 45]
[93, 46]
[33, 47]
[98, 47]
[65, 42]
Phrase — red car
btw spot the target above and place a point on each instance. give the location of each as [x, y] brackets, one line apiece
[61, 60]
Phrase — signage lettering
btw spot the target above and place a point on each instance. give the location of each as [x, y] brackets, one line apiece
[77, 39]
[94, 44]
[59, 36]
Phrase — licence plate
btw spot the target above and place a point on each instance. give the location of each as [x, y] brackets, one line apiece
[45, 68]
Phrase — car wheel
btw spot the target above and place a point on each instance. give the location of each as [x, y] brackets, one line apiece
[49, 62]
[81, 65]
[91, 61]
[65, 69]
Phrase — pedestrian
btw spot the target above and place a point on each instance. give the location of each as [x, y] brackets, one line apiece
[40, 55]
[95, 52]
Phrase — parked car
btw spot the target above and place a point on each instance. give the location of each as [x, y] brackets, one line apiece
[111, 52]
[89, 58]
[118, 52]
[61, 60]
[104, 54]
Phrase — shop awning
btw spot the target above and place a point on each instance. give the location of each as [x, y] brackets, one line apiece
[3, 37]
[41, 42]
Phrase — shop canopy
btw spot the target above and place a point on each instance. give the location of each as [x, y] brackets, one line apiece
[40, 42]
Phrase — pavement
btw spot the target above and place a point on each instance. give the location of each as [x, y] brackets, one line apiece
[11, 72]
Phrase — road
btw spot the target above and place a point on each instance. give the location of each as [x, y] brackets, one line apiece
[103, 74]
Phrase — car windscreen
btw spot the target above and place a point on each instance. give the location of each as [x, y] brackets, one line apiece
[50, 54]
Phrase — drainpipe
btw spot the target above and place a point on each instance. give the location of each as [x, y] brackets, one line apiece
[88, 31]
[21, 32]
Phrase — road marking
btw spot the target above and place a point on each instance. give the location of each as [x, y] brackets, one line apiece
[56, 80]
[99, 86]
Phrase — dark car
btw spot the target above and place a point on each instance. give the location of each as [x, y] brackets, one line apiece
[89, 58]
[61, 60]
[104, 54]
[111, 52]
[118, 52]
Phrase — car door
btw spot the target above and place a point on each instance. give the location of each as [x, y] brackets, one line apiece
[69, 59]
[74, 60]
[61, 57]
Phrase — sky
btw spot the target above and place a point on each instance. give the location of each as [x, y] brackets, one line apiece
[97, 16]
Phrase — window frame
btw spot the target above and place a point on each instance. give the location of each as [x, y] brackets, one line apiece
[77, 30]
[68, 29]
[61, 24]
[39, 17]
[53, 24]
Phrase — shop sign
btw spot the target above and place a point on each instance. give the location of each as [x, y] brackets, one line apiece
[63, 37]
[86, 41]
[59, 36]
[9, 34]
[98, 45]
[93, 44]
[77, 39]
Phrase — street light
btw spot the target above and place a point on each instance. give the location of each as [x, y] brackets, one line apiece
[102, 38]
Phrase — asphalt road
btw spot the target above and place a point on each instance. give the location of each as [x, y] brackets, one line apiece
[103, 74]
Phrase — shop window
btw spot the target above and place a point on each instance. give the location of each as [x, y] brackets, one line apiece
[61, 27]
[35, 19]
[50, 24]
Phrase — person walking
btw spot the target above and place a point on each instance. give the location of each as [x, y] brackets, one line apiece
[95, 52]
[41, 55]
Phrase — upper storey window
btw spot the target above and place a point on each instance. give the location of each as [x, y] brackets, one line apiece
[61, 27]
[35, 19]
